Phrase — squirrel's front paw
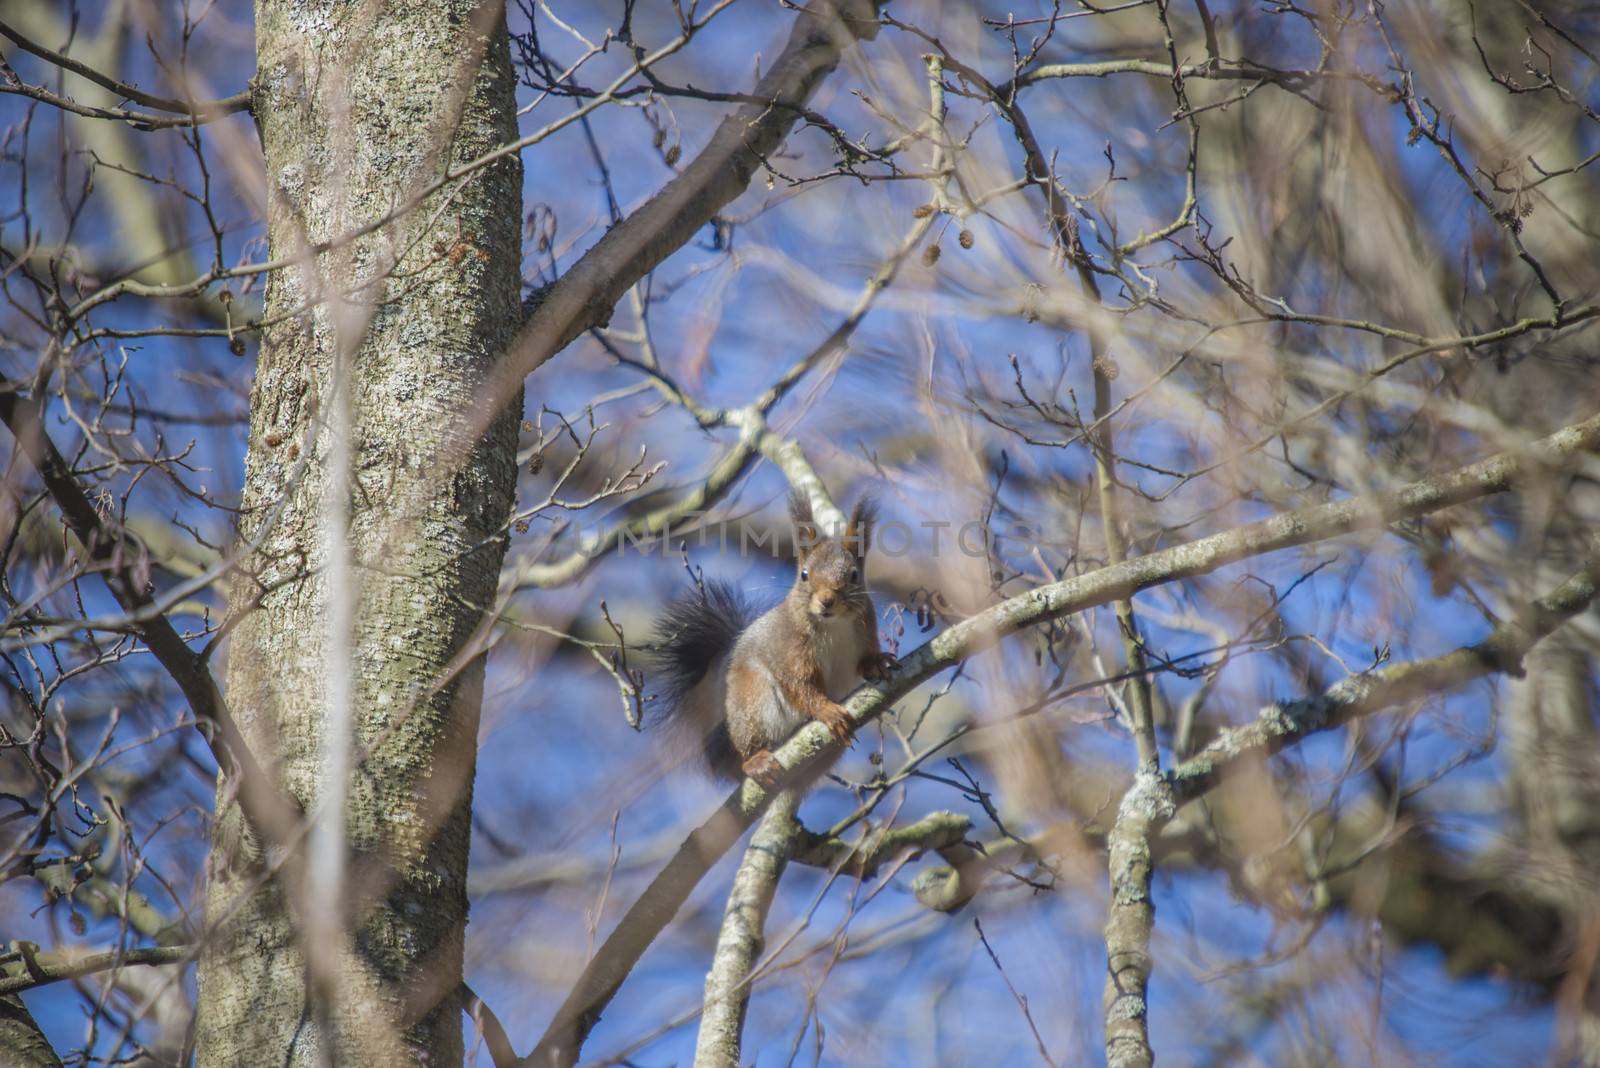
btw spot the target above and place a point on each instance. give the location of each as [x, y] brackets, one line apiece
[876, 665]
[764, 769]
[837, 720]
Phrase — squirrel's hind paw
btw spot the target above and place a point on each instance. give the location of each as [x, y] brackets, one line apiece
[764, 769]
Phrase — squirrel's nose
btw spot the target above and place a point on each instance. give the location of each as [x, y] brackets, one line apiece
[825, 600]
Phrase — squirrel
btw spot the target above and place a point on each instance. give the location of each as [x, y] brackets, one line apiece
[741, 684]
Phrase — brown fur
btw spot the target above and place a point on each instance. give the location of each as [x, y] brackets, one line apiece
[796, 661]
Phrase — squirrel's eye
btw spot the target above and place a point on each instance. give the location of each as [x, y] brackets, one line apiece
[805, 573]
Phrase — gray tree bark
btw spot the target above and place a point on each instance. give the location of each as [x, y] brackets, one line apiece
[20, 1038]
[357, 105]
[1549, 723]
[1553, 756]
[743, 935]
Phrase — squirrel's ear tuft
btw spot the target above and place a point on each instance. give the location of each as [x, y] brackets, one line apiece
[858, 536]
[805, 527]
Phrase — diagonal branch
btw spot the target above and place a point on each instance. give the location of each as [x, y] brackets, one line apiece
[1154, 798]
[49, 968]
[195, 112]
[110, 546]
[646, 918]
[1281, 725]
[660, 901]
[583, 297]
[489, 1026]
[139, 120]
[756, 438]
[741, 938]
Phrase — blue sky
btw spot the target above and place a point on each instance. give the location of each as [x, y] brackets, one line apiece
[554, 742]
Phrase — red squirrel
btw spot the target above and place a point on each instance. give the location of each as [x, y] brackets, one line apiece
[743, 685]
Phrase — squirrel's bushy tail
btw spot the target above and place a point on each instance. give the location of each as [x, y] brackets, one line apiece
[692, 641]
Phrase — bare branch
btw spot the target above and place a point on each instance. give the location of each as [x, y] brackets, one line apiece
[194, 112]
[740, 939]
[586, 293]
[660, 901]
[270, 812]
[44, 968]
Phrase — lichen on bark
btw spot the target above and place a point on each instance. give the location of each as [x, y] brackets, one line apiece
[354, 113]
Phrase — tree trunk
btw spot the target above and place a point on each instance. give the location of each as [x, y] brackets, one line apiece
[361, 106]
[20, 1038]
[1554, 759]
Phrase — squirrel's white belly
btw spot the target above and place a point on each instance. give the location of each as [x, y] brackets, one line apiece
[839, 651]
